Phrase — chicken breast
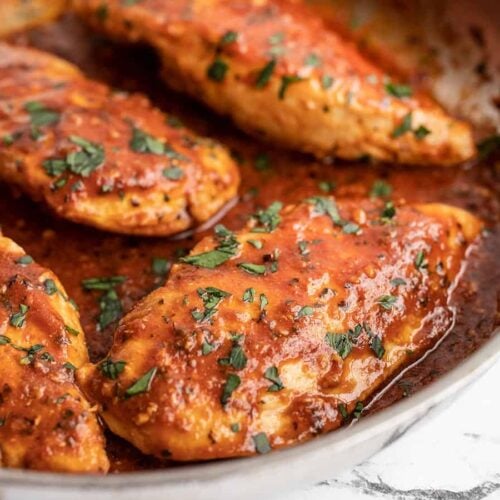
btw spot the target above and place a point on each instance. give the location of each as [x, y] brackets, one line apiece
[103, 158]
[264, 338]
[45, 421]
[18, 15]
[279, 71]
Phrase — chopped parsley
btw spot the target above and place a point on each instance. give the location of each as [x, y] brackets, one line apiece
[237, 358]
[50, 287]
[217, 70]
[305, 311]
[160, 267]
[249, 295]
[286, 81]
[339, 342]
[142, 142]
[269, 219]
[326, 82]
[326, 186]
[211, 298]
[256, 243]
[18, 319]
[387, 301]
[380, 189]
[252, 268]
[312, 60]
[388, 212]
[232, 383]
[421, 132]
[377, 347]
[272, 375]
[228, 38]
[358, 410]
[327, 206]
[207, 348]
[398, 282]
[112, 369]
[265, 74]
[488, 146]
[141, 385]
[398, 90]
[40, 115]
[261, 443]
[31, 353]
[263, 301]
[403, 127]
[420, 261]
[25, 260]
[262, 162]
[71, 330]
[102, 283]
[173, 173]
[227, 248]
[111, 309]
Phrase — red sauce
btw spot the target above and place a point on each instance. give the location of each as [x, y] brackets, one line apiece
[75, 252]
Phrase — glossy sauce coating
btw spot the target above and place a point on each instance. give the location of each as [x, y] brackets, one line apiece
[104, 158]
[269, 336]
[45, 421]
[77, 253]
[280, 72]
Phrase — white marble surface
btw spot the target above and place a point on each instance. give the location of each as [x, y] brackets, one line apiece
[453, 456]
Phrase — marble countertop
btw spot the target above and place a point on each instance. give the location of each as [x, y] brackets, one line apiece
[454, 455]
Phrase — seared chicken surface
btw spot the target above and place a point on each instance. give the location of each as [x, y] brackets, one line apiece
[279, 71]
[269, 336]
[104, 158]
[45, 421]
[17, 15]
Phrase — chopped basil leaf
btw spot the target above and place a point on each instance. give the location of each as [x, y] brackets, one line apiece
[326, 186]
[111, 309]
[112, 369]
[30, 353]
[388, 212]
[237, 358]
[235, 427]
[262, 162]
[272, 375]
[141, 385]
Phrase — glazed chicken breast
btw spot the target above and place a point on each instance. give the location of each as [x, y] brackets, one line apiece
[266, 337]
[280, 72]
[45, 421]
[104, 158]
[17, 15]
